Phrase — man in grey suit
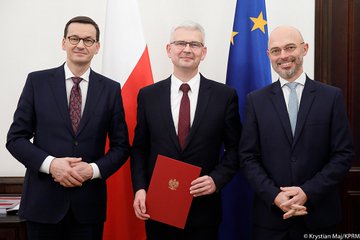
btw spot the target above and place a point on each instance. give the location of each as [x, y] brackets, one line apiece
[213, 122]
[295, 147]
[68, 112]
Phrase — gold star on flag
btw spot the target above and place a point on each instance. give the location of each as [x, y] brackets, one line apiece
[259, 22]
[233, 34]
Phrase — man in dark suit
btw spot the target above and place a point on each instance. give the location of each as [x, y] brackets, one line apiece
[295, 161]
[214, 122]
[64, 192]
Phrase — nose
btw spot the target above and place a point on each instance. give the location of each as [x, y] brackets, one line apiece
[284, 54]
[80, 44]
[187, 48]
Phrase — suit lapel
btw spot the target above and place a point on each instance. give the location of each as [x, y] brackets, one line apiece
[58, 88]
[94, 93]
[202, 103]
[165, 106]
[307, 98]
[278, 101]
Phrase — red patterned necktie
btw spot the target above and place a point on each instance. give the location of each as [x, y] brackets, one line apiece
[75, 104]
[184, 115]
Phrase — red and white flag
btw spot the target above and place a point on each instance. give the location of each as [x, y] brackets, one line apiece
[126, 60]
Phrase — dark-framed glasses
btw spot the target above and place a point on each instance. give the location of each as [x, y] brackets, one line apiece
[183, 44]
[74, 40]
[276, 51]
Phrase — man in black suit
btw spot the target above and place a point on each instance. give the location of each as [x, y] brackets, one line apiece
[214, 122]
[64, 193]
[295, 161]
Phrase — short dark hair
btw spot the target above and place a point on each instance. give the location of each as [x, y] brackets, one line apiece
[84, 20]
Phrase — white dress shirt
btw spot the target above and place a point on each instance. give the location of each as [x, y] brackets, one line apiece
[299, 89]
[176, 95]
[83, 85]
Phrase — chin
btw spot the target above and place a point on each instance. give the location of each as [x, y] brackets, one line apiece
[286, 74]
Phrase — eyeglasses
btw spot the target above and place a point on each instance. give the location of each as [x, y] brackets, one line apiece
[183, 44]
[74, 40]
[287, 49]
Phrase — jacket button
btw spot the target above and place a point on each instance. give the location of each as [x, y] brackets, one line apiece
[76, 143]
[293, 159]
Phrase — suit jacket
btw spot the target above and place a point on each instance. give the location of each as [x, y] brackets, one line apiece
[216, 124]
[315, 159]
[43, 114]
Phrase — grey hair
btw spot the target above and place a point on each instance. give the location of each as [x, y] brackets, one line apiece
[191, 25]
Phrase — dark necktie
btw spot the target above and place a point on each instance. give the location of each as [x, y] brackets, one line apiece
[184, 116]
[75, 104]
[293, 105]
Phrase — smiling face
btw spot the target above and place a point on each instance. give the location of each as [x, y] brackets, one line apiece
[79, 54]
[286, 51]
[186, 59]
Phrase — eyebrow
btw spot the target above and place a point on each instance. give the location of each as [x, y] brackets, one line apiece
[75, 35]
[287, 45]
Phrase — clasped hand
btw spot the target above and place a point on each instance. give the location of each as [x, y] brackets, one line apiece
[291, 200]
[70, 171]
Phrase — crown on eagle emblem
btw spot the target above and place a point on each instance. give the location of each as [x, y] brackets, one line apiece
[173, 184]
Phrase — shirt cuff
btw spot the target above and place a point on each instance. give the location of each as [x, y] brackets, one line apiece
[96, 171]
[45, 166]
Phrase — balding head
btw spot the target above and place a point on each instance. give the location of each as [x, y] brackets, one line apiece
[286, 50]
[283, 34]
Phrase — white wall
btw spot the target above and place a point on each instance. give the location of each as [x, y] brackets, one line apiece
[31, 34]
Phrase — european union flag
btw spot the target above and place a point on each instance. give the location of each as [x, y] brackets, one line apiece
[248, 70]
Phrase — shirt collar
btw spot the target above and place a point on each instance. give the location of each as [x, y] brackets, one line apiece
[301, 79]
[193, 83]
[69, 74]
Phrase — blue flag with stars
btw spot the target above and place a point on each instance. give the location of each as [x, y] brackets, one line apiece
[248, 70]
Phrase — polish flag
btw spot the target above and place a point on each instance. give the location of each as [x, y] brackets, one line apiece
[125, 59]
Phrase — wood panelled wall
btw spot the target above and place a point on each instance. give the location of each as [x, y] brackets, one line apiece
[337, 62]
[11, 185]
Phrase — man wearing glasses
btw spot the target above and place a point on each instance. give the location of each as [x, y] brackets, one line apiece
[212, 121]
[68, 112]
[295, 147]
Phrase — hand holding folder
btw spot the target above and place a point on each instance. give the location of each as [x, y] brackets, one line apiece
[168, 198]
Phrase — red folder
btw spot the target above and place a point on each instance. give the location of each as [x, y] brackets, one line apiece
[168, 198]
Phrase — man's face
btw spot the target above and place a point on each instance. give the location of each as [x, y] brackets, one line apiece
[186, 57]
[286, 52]
[80, 54]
